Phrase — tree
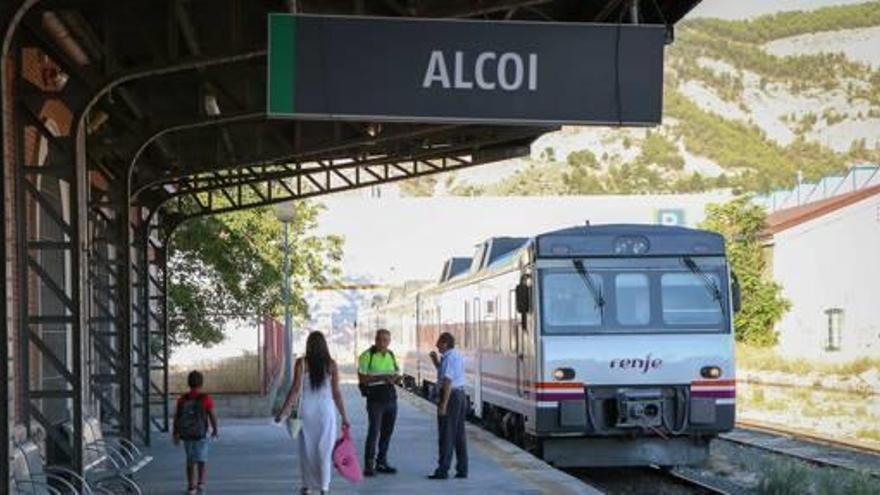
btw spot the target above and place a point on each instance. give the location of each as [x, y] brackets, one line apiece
[583, 158]
[659, 150]
[741, 223]
[227, 266]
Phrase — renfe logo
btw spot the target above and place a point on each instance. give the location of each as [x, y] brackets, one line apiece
[511, 71]
[644, 365]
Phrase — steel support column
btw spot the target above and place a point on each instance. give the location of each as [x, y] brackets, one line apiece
[140, 331]
[109, 320]
[50, 266]
[157, 325]
[149, 323]
[7, 125]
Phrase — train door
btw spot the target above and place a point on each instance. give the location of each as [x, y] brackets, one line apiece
[513, 321]
[413, 346]
[476, 345]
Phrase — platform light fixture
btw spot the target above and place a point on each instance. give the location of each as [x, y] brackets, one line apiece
[212, 108]
[286, 214]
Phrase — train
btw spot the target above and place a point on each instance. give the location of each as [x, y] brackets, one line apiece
[594, 345]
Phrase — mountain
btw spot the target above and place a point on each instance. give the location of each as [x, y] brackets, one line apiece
[748, 104]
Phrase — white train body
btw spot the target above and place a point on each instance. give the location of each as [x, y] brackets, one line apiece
[598, 345]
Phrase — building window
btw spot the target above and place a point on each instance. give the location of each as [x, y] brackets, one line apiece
[835, 328]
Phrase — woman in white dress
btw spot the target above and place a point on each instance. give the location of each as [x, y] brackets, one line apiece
[319, 393]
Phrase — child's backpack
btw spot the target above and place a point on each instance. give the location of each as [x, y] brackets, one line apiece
[192, 418]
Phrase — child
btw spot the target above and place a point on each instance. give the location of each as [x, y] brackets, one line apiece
[194, 411]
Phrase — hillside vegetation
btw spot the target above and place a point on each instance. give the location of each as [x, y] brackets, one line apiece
[735, 115]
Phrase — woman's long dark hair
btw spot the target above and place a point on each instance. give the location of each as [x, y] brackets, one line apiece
[318, 358]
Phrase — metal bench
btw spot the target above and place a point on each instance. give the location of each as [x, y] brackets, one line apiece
[32, 477]
[128, 456]
[105, 465]
[26, 482]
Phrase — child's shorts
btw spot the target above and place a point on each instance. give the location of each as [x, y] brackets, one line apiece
[196, 450]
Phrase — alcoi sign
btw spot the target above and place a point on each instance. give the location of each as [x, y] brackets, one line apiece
[357, 68]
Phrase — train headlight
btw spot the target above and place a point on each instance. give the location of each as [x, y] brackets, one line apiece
[563, 374]
[710, 372]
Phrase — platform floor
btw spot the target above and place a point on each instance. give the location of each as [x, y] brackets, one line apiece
[254, 456]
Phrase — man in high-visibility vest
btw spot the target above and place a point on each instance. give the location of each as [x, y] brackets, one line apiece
[377, 374]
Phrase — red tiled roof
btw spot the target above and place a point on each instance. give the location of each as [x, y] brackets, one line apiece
[791, 217]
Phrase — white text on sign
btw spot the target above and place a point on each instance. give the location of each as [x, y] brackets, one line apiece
[512, 71]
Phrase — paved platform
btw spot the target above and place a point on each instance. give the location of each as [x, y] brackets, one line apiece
[255, 456]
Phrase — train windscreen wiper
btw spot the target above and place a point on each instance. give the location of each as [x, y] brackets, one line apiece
[708, 281]
[598, 299]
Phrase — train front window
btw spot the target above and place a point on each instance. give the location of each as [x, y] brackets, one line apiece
[686, 300]
[633, 299]
[634, 295]
[567, 303]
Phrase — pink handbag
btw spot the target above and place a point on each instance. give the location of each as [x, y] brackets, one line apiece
[345, 457]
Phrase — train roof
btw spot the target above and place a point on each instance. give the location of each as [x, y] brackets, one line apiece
[495, 248]
[455, 267]
[607, 240]
[628, 240]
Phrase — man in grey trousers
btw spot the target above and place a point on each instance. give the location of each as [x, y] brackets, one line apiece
[451, 409]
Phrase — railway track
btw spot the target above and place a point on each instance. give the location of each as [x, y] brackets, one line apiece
[651, 479]
[804, 446]
[695, 482]
[807, 435]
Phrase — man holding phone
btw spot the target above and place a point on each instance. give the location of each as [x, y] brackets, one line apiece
[452, 407]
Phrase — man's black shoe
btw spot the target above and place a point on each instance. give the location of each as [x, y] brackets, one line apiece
[461, 475]
[438, 476]
[368, 472]
[385, 469]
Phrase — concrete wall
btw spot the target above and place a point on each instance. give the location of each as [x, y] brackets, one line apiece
[831, 262]
[242, 406]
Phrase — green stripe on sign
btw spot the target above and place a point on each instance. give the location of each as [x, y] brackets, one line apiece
[282, 63]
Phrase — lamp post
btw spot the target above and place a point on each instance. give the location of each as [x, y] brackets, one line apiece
[286, 213]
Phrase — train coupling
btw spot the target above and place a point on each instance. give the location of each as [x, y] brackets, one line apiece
[639, 408]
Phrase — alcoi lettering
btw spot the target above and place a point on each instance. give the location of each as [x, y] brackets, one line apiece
[488, 71]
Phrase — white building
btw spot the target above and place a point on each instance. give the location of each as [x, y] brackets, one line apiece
[826, 256]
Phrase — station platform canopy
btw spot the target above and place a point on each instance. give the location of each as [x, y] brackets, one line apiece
[180, 91]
